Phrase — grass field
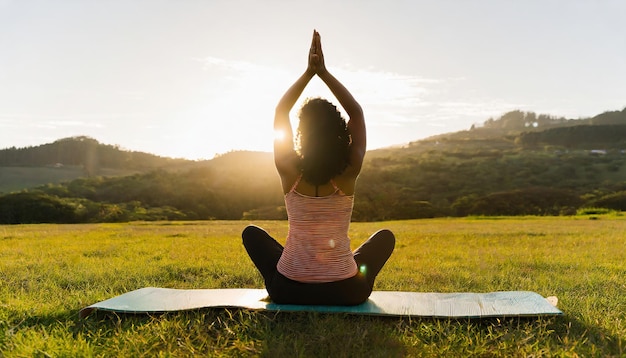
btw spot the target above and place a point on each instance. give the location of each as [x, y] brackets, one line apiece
[49, 272]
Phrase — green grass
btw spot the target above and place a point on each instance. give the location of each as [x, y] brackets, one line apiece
[49, 272]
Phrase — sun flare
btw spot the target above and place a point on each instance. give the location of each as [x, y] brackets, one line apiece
[279, 135]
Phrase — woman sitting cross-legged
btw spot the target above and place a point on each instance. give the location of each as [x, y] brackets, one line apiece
[317, 265]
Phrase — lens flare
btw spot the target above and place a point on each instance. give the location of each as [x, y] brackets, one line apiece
[363, 269]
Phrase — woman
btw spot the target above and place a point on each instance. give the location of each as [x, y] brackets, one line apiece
[317, 266]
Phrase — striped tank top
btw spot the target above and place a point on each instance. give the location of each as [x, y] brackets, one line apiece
[318, 248]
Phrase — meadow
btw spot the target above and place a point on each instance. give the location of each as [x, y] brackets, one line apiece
[49, 272]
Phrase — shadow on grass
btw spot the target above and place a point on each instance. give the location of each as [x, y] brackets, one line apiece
[262, 333]
[556, 335]
[70, 321]
[597, 340]
[332, 335]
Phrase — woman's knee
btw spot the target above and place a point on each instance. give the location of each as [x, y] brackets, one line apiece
[386, 236]
[386, 233]
[250, 232]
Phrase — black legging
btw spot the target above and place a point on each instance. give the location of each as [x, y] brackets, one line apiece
[370, 258]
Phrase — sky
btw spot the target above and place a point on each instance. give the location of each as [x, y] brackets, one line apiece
[197, 78]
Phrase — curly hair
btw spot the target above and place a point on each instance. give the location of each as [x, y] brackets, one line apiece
[322, 141]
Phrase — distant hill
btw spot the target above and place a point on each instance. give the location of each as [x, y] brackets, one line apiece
[85, 152]
[602, 137]
[518, 164]
[72, 158]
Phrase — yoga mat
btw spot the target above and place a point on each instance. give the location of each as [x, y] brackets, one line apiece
[380, 303]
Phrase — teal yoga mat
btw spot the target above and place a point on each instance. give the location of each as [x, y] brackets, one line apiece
[381, 303]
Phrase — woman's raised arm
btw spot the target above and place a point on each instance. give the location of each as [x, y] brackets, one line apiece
[284, 153]
[356, 120]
